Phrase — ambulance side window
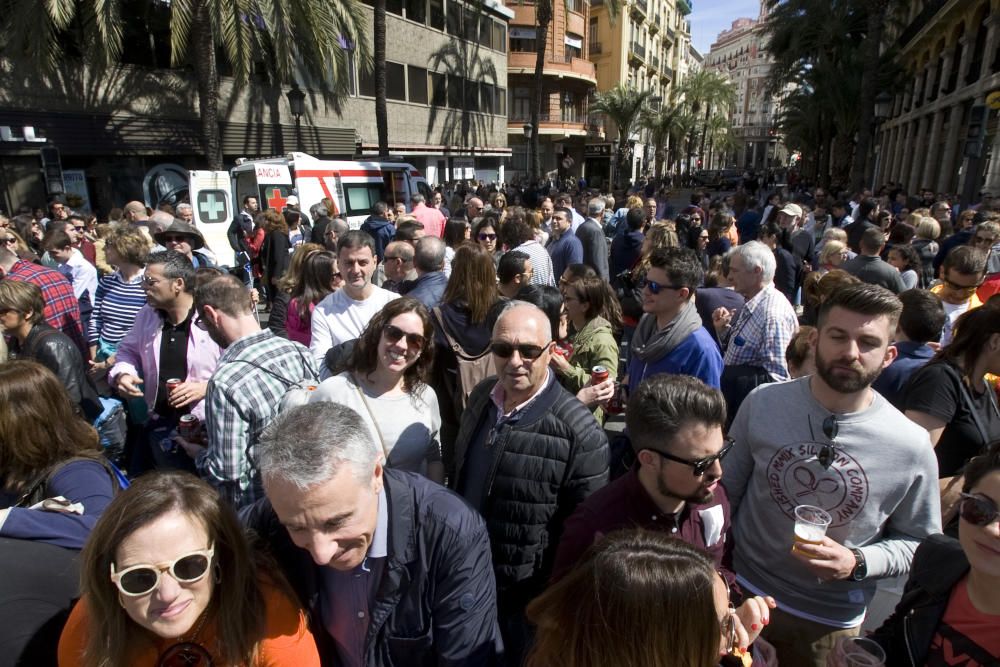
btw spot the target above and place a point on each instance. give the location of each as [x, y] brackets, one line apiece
[425, 190]
[361, 197]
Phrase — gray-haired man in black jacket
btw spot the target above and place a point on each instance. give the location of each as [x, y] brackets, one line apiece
[391, 568]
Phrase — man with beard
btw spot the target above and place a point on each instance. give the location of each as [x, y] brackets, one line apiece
[245, 392]
[830, 441]
[675, 425]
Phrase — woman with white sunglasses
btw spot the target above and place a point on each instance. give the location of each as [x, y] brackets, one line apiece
[168, 579]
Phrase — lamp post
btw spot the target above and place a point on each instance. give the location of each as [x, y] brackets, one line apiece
[527, 129]
[883, 105]
[297, 105]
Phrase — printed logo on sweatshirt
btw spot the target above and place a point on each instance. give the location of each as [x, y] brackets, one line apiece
[796, 477]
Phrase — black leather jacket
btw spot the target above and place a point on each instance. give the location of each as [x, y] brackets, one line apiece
[436, 602]
[938, 565]
[57, 352]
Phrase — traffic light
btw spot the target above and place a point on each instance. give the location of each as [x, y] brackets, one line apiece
[52, 170]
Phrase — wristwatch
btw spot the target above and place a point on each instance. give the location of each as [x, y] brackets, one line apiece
[860, 570]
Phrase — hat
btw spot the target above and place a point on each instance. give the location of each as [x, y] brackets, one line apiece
[179, 227]
[793, 210]
[292, 201]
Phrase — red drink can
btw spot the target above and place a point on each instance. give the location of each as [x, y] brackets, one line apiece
[598, 374]
[172, 384]
[187, 426]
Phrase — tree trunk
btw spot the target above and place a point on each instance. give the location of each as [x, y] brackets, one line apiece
[381, 114]
[869, 89]
[207, 75]
[704, 133]
[544, 15]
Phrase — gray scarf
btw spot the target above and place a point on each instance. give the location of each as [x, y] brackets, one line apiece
[649, 344]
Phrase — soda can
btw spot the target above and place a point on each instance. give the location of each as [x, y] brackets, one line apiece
[173, 383]
[187, 426]
[598, 374]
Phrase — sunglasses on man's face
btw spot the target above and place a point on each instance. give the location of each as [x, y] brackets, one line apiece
[506, 350]
[655, 287]
[142, 579]
[977, 509]
[394, 334]
[700, 466]
[175, 239]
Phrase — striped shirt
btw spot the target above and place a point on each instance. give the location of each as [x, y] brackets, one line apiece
[761, 332]
[541, 263]
[243, 397]
[116, 304]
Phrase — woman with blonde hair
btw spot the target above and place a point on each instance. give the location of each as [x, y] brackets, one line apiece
[832, 256]
[168, 578]
[928, 230]
[12, 241]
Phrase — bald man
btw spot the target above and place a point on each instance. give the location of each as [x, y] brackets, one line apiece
[527, 453]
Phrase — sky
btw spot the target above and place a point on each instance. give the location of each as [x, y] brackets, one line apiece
[710, 17]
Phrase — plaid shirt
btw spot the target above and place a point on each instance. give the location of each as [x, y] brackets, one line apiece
[243, 397]
[62, 310]
[760, 335]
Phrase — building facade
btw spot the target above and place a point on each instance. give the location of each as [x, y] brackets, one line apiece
[132, 132]
[740, 54]
[941, 133]
[646, 48]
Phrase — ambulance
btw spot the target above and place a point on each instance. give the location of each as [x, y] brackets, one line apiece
[352, 186]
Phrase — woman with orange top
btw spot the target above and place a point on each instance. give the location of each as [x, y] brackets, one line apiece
[168, 578]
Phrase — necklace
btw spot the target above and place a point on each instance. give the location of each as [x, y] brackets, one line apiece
[187, 652]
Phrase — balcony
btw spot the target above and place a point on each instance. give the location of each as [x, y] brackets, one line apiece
[637, 52]
[667, 73]
[654, 63]
[547, 125]
[575, 68]
[654, 24]
[669, 36]
[640, 9]
[931, 8]
[595, 48]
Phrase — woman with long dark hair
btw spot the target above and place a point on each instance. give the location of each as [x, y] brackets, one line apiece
[386, 383]
[168, 578]
[310, 278]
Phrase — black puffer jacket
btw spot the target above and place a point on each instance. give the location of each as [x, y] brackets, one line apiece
[544, 463]
[938, 565]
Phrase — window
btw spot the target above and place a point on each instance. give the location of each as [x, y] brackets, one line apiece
[395, 81]
[361, 196]
[454, 18]
[416, 10]
[592, 43]
[500, 36]
[417, 84]
[521, 103]
[471, 89]
[487, 95]
[366, 82]
[439, 89]
[437, 14]
[471, 25]
[394, 7]
[574, 46]
[486, 32]
[501, 98]
[522, 39]
[455, 93]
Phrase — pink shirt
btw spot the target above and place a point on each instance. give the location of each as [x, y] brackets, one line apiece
[298, 330]
[432, 219]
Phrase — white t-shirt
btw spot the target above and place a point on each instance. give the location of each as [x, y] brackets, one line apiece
[339, 318]
[83, 275]
[952, 312]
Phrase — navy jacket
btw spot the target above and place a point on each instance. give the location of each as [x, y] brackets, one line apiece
[625, 249]
[382, 231]
[892, 380]
[436, 602]
[428, 289]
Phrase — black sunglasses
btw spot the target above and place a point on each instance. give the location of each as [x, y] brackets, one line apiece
[701, 465]
[394, 334]
[828, 452]
[979, 510]
[655, 287]
[529, 352]
[483, 236]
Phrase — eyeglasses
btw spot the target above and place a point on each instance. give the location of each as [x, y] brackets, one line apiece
[983, 240]
[979, 510]
[828, 452]
[142, 579]
[79, 228]
[701, 465]
[394, 334]
[390, 258]
[655, 287]
[505, 350]
[483, 236]
[175, 239]
[961, 289]
[146, 280]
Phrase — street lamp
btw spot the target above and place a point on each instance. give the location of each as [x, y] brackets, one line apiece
[529, 167]
[297, 105]
[883, 105]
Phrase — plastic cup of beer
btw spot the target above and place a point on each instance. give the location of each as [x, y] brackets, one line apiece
[810, 524]
[863, 652]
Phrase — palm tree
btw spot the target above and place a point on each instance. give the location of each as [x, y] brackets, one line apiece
[544, 11]
[623, 106]
[310, 39]
[707, 91]
[381, 111]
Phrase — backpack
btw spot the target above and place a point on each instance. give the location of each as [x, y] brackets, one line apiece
[36, 491]
[297, 392]
[471, 369]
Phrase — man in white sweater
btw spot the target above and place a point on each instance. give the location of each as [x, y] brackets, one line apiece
[829, 440]
[343, 315]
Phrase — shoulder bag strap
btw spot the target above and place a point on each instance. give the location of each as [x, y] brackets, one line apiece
[436, 312]
[364, 399]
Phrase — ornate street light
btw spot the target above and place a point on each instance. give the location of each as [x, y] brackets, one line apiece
[883, 105]
[297, 105]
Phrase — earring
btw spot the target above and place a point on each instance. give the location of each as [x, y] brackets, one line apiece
[217, 573]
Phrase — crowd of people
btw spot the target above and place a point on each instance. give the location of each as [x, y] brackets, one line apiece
[405, 461]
